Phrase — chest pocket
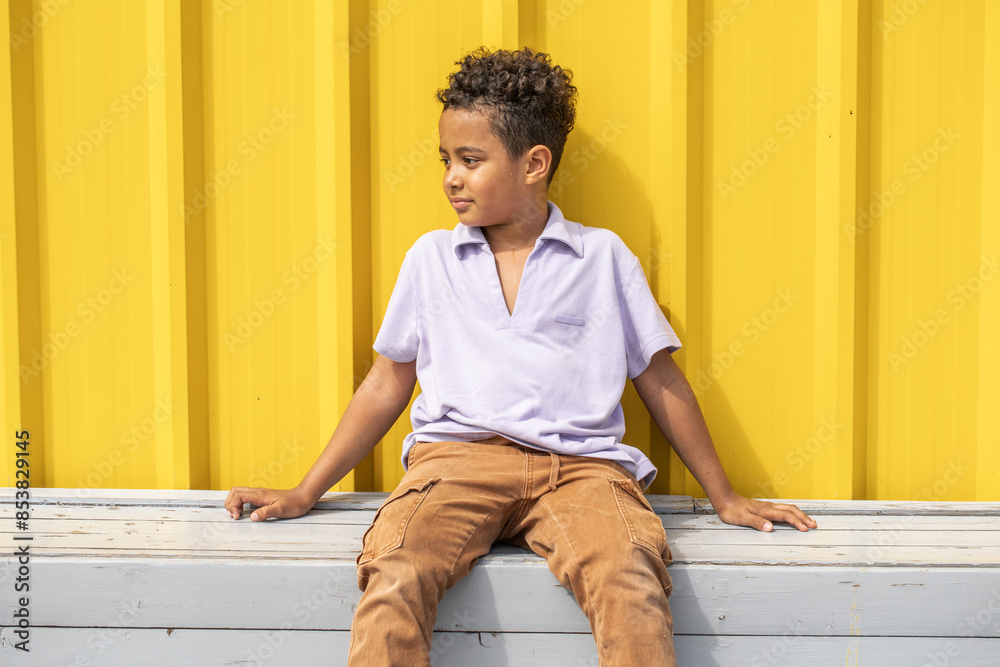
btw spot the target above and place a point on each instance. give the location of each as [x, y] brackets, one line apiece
[580, 324]
[566, 332]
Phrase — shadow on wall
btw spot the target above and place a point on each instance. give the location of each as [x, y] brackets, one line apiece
[594, 186]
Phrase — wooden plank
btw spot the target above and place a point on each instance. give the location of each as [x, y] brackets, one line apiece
[371, 500]
[662, 504]
[344, 515]
[226, 543]
[876, 507]
[852, 523]
[503, 595]
[347, 529]
[340, 516]
[117, 547]
[168, 647]
[168, 497]
[190, 515]
[211, 539]
[843, 540]
[866, 556]
[860, 576]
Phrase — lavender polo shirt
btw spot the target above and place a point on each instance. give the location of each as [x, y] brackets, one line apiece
[549, 376]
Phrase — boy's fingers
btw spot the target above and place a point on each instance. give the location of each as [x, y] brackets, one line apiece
[269, 508]
[233, 504]
[751, 518]
[792, 515]
[798, 518]
[240, 495]
[760, 514]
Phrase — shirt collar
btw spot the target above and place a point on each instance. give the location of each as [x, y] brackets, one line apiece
[556, 228]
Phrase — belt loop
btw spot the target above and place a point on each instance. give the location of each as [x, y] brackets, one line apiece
[553, 470]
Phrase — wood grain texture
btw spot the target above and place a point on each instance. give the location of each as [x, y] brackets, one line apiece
[113, 572]
[296, 648]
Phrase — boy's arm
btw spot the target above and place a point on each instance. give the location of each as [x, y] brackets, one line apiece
[671, 402]
[373, 409]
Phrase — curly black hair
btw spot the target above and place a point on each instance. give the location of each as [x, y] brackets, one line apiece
[528, 100]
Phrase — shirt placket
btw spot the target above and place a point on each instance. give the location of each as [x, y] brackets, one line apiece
[505, 320]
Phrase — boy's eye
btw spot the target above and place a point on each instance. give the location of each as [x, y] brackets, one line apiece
[467, 161]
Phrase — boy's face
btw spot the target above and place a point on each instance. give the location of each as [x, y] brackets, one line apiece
[484, 185]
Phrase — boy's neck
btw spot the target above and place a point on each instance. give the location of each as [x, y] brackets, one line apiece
[522, 231]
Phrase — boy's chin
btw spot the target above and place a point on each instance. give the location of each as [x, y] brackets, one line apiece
[468, 219]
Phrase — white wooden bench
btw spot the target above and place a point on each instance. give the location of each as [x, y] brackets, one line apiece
[142, 577]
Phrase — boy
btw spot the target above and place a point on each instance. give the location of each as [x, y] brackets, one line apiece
[521, 328]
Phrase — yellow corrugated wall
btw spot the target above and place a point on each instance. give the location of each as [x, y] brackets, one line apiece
[205, 205]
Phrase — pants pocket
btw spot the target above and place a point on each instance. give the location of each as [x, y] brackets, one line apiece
[389, 525]
[644, 526]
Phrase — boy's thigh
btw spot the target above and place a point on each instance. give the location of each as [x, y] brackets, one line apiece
[598, 519]
[449, 506]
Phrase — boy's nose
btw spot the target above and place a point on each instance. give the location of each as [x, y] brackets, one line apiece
[451, 180]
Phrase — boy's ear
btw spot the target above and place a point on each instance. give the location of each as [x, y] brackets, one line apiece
[539, 162]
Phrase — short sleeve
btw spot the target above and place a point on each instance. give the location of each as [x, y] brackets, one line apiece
[398, 337]
[646, 328]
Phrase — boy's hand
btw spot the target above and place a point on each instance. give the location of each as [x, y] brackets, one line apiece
[280, 504]
[759, 514]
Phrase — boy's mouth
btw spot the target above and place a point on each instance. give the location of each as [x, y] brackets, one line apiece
[459, 203]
